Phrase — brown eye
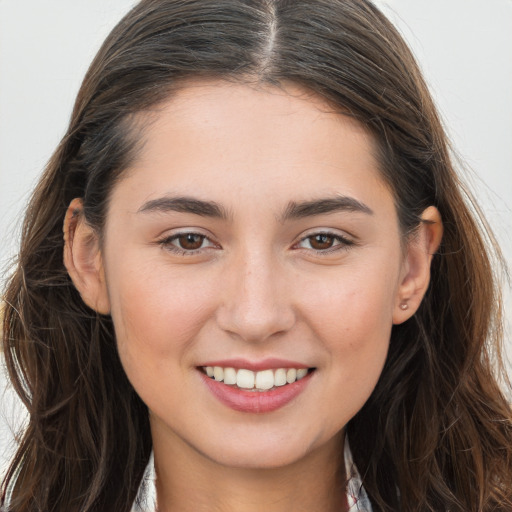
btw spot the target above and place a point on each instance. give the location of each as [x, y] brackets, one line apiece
[190, 241]
[187, 243]
[321, 241]
[324, 243]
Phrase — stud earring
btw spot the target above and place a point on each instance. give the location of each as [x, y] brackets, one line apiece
[404, 306]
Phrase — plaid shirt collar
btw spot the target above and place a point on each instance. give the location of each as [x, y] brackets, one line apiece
[356, 495]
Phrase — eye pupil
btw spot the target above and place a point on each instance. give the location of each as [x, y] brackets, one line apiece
[321, 241]
[190, 241]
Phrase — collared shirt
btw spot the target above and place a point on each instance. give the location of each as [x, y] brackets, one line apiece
[357, 498]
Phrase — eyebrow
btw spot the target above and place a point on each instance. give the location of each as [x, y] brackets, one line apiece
[304, 209]
[185, 204]
[294, 210]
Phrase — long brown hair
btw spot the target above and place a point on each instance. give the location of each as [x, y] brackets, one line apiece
[436, 434]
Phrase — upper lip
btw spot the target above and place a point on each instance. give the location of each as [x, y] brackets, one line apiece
[255, 366]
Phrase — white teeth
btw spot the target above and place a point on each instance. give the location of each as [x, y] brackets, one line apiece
[291, 375]
[218, 373]
[280, 377]
[301, 372]
[259, 381]
[229, 376]
[245, 379]
[265, 379]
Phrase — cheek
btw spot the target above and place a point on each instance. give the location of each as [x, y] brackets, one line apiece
[354, 327]
[351, 301]
[156, 315]
[352, 317]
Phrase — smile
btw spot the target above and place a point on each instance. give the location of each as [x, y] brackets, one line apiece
[261, 391]
[264, 380]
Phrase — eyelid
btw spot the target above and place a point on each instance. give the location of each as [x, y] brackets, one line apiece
[345, 241]
[166, 242]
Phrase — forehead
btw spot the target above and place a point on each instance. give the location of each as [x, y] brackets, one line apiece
[219, 138]
[221, 111]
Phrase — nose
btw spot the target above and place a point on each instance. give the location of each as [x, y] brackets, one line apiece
[256, 300]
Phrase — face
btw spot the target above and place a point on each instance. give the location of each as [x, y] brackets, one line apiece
[253, 233]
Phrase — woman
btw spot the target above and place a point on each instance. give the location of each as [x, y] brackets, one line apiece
[251, 257]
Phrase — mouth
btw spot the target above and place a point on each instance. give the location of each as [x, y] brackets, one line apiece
[255, 381]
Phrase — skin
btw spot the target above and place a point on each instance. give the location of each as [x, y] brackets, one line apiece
[258, 286]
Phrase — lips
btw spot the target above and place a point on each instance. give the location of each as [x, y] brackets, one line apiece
[252, 388]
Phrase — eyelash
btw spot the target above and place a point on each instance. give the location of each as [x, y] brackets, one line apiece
[167, 243]
[342, 245]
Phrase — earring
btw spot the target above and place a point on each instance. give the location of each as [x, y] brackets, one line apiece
[404, 306]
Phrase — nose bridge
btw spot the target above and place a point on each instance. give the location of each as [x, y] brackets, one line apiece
[257, 302]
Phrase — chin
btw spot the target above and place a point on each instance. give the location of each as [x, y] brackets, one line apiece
[267, 451]
[257, 458]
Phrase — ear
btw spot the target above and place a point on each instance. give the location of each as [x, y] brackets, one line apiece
[82, 258]
[415, 275]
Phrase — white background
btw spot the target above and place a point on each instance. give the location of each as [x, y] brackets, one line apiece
[464, 48]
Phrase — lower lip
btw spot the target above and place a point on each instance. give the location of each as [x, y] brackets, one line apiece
[256, 401]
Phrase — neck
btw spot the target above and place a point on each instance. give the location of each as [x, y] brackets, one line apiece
[188, 481]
